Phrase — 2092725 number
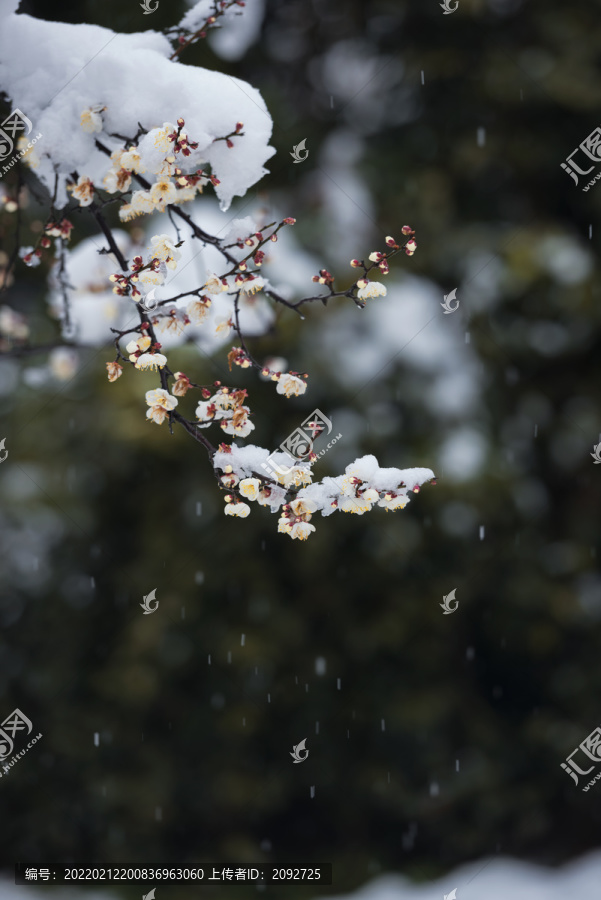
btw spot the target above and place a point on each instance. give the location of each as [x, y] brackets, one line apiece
[296, 874]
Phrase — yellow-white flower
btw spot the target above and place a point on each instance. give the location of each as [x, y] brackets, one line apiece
[223, 325]
[114, 181]
[355, 505]
[237, 509]
[242, 429]
[370, 495]
[297, 476]
[369, 289]
[141, 344]
[249, 487]
[151, 361]
[160, 403]
[142, 202]
[132, 161]
[127, 212]
[303, 507]
[213, 285]
[301, 531]
[115, 371]
[84, 191]
[251, 287]
[161, 397]
[163, 192]
[291, 386]
[149, 276]
[157, 414]
[91, 120]
[393, 503]
[197, 310]
[164, 249]
[161, 140]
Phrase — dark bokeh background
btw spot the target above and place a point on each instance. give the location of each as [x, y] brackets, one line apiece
[444, 742]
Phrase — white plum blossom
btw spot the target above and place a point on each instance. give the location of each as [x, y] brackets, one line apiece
[242, 428]
[197, 310]
[163, 248]
[163, 192]
[132, 161]
[369, 289]
[253, 285]
[291, 386]
[161, 397]
[161, 402]
[213, 285]
[91, 120]
[237, 509]
[249, 487]
[151, 361]
[114, 181]
[84, 191]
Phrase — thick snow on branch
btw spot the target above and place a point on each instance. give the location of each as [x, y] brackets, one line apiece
[129, 80]
[363, 486]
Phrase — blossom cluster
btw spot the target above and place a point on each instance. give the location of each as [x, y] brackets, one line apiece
[362, 487]
[227, 407]
[157, 155]
[32, 256]
[379, 259]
